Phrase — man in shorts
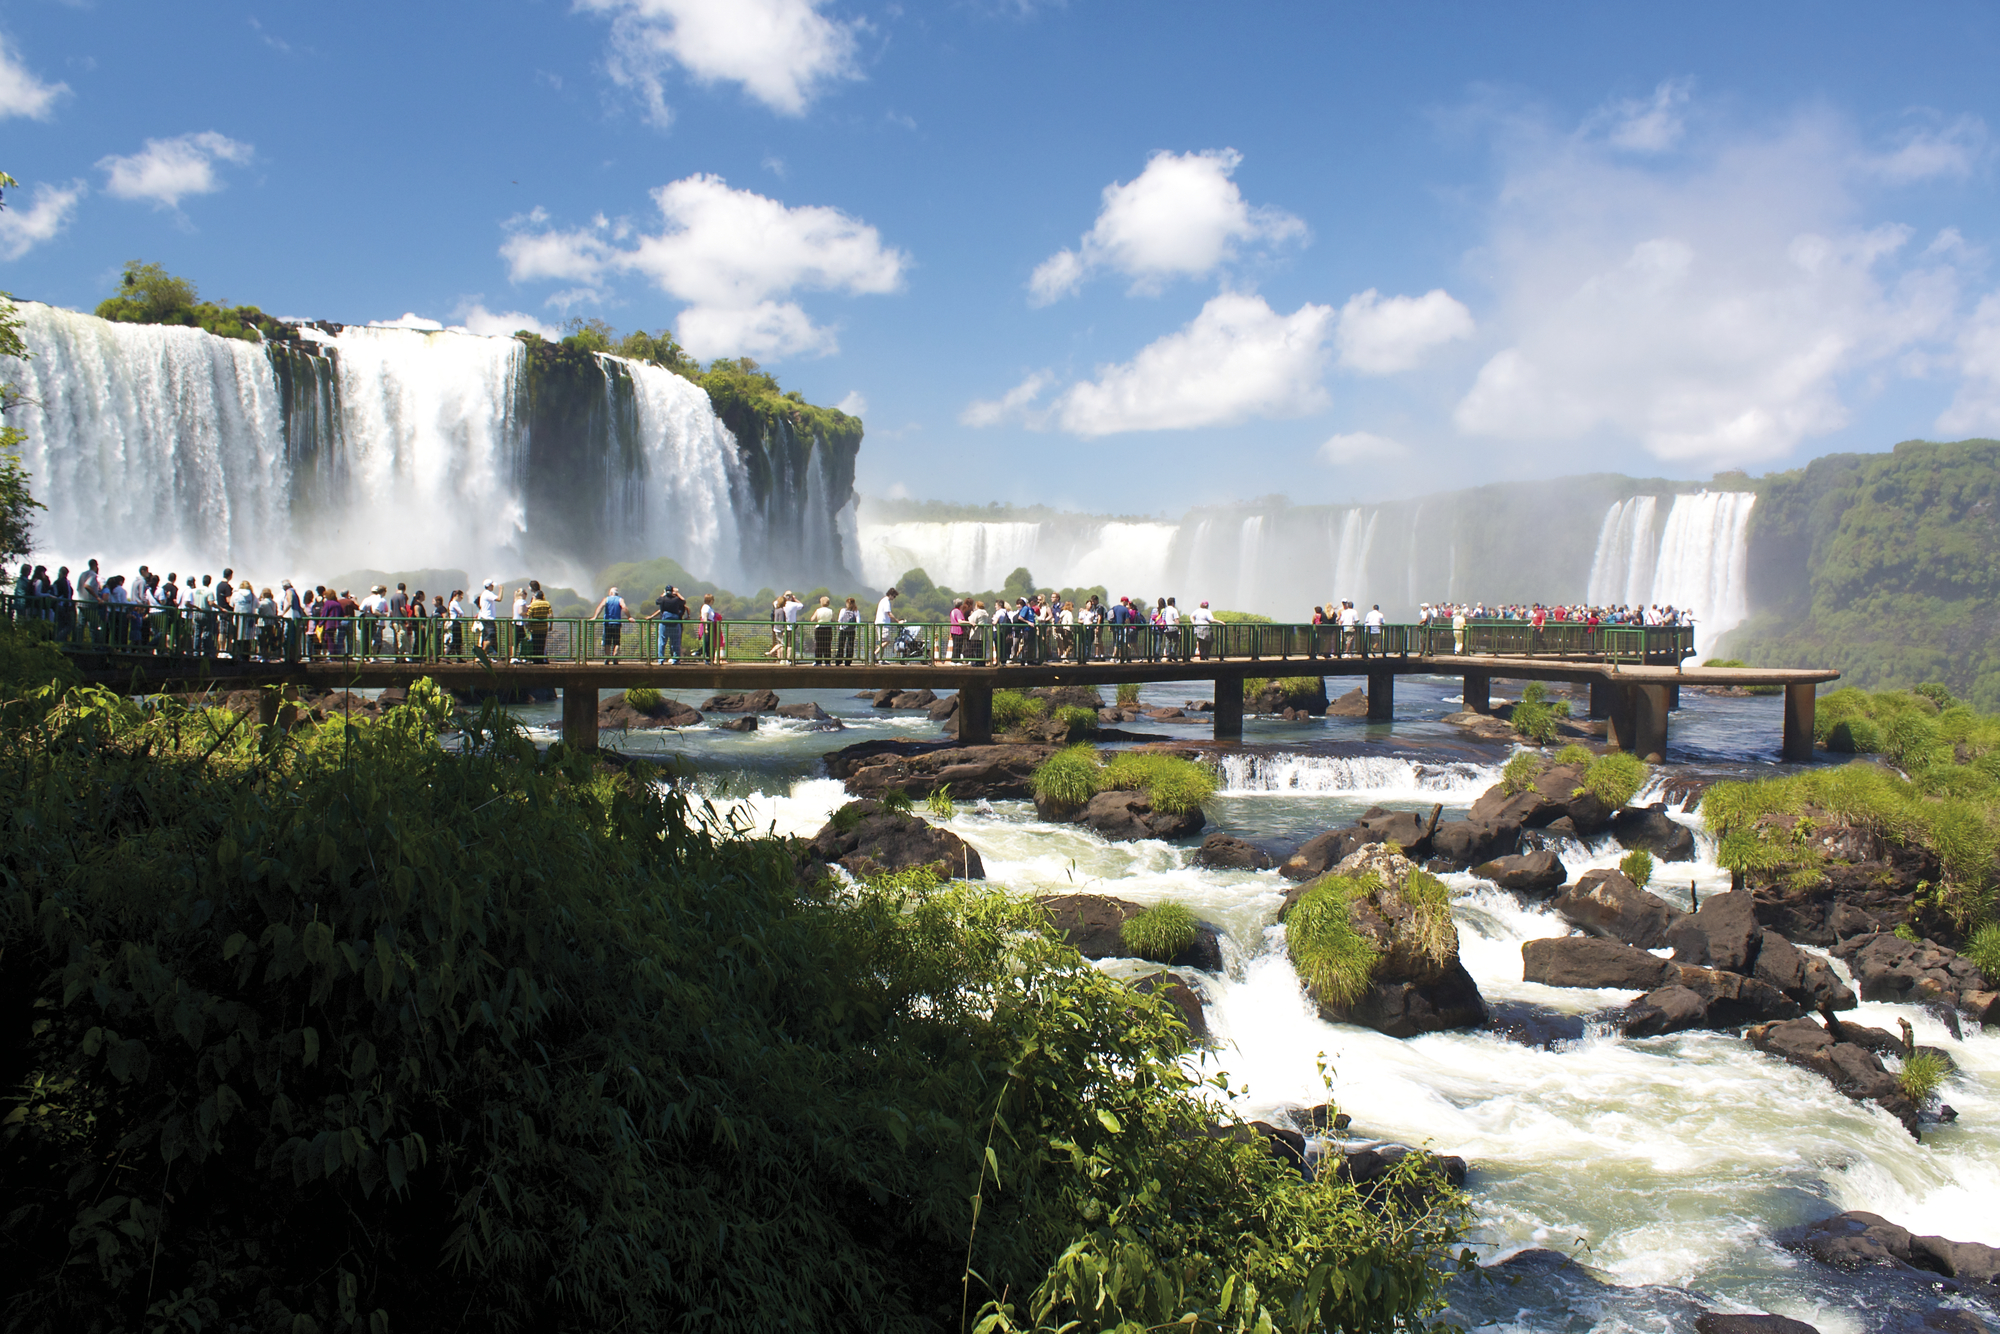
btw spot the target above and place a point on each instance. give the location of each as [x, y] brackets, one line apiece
[612, 609]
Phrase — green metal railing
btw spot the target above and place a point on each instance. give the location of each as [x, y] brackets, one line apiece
[122, 631]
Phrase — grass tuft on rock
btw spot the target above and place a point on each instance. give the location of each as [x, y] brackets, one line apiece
[1521, 771]
[1172, 784]
[644, 698]
[1012, 708]
[1160, 933]
[1079, 721]
[1637, 866]
[1332, 958]
[1128, 692]
[1922, 1075]
[1536, 717]
[1574, 755]
[1430, 911]
[1071, 776]
[1984, 951]
[1615, 778]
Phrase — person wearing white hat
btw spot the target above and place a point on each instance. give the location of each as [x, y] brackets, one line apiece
[489, 616]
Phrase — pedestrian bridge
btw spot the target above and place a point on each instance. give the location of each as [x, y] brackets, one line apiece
[1634, 672]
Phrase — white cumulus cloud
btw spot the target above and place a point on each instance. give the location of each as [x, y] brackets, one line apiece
[1237, 359]
[781, 52]
[1360, 447]
[166, 171]
[1649, 125]
[474, 317]
[1928, 153]
[1709, 308]
[49, 210]
[1010, 405]
[1379, 336]
[21, 92]
[733, 256]
[1182, 217]
[854, 405]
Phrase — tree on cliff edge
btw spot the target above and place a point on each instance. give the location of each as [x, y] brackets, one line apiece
[16, 504]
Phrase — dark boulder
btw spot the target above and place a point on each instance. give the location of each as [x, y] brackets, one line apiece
[1669, 1009]
[1860, 1240]
[1466, 843]
[747, 723]
[1354, 704]
[1724, 934]
[1062, 697]
[1533, 1025]
[1372, 1169]
[913, 699]
[1652, 830]
[1850, 1067]
[1587, 961]
[617, 714]
[1692, 997]
[867, 838]
[1175, 988]
[921, 767]
[1221, 852]
[1406, 829]
[1714, 1322]
[811, 713]
[1590, 815]
[1607, 904]
[944, 709]
[1321, 853]
[1806, 978]
[1889, 968]
[1124, 817]
[755, 701]
[1539, 872]
[1092, 925]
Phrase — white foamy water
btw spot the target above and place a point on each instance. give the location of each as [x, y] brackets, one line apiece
[1697, 560]
[1381, 777]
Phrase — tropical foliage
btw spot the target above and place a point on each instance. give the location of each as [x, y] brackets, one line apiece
[148, 294]
[1160, 932]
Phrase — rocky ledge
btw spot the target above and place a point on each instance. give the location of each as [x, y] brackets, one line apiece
[867, 838]
[921, 767]
[617, 713]
[1858, 1240]
[1093, 924]
[1124, 817]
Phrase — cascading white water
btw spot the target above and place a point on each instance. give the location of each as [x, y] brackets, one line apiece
[1125, 558]
[1621, 573]
[1704, 562]
[1379, 777]
[150, 441]
[409, 449]
[974, 557]
[1249, 559]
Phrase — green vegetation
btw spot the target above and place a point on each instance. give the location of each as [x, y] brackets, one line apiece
[1295, 689]
[644, 698]
[1575, 756]
[1160, 932]
[1854, 736]
[1886, 566]
[1331, 957]
[1078, 721]
[940, 804]
[1922, 1075]
[1241, 618]
[1070, 777]
[1536, 718]
[339, 1029]
[1128, 692]
[17, 504]
[1615, 777]
[1012, 708]
[148, 294]
[1984, 951]
[1637, 866]
[1523, 767]
[1075, 774]
[897, 800]
[1738, 662]
[1430, 909]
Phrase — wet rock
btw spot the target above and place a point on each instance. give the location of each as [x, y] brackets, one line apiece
[617, 714]
[1714, 1322]
[1723, 934]
[1861, 1240]
[1194, 1012]
[944, 709]
[755, 701]
[1406, 829]
[1528, 808]
[1370, 1167]
[867, 838]
[1124, 817]
[1410, 990]
[1652, 830]
[1354, 704]
[1091, 924]
[1587, 961]
[1288, 1146]
[1561, 827]
[1806, 978]
[921, 767]
[1607, 904]
[1849, 1067]
[1063, 697]
[808, 712]
[904, 699]
[1533, 1025]
[1692, 997]
[1323, 852]
[1221, 852]
[1470, 842]
[1540, 872]
[1889, 968]
[747, 723]
[1273, 698]
[1589, 814]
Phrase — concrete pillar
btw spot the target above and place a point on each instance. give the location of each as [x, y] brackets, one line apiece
[579, 706]
[1603, 697]
[1479, 692]
[1649, 710]
[975, 715]
[1228, 708]
[1800, 700]
[1381, 696]
[1673, 696]
[1623, 716]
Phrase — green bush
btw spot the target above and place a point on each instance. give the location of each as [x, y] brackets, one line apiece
[1912, 739]
[940, 803]
[348, 1031]
[1160, 932]
[1535, 717]
[1574, 756]
[1521, 771]
[1922, 1075]
[1637, 866]
[1011, 709]
[1172, 784]
[644, 698]
[1984, 951]
[1078, 721]
[897, 800]
[1332, 958]
[1128, 692]
[1938, 694]
[1615, 777]
[1070, 777]
[1855, 736]
[1430, 911]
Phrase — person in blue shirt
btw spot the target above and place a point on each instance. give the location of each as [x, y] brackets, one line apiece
[612, 610]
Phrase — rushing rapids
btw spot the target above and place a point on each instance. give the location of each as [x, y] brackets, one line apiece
[1667, 1167]
[399, 448]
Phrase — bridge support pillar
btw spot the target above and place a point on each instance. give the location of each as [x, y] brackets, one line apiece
[1800, 701]
[975, 715]
[579, 717]
[1603, 698]
[1381, 696]
[1673, 696]
[1228, 708]
[1643, 715]
[1478, 692]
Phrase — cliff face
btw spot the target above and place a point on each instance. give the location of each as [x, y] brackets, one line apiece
[798, 466]
[1886, 566]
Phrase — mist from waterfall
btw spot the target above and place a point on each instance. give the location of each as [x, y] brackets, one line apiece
[379, 448]
[1698, 560]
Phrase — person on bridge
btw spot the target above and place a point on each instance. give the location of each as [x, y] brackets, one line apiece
[885, 616]
[670, 609]
[489, 617]
[850, 620]
[1374, 622]
[709, 636]
[538, 613]
[822, 622]
[1458, 630]
[612, 609]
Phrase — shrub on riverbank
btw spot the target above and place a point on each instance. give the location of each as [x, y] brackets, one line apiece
[1333, 959]
[1536, 717]
[341, 1030]
[1160, 932]
[1984, 951]
[1078, 721]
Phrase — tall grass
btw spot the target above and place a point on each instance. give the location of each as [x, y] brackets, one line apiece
[1521, 771]
[1430, 916]
[1172, 784]
[1011, 709]
[1332, 958]
[644, 698]
[1160, 933]
[1615, 778]
[1637, 866]
[1922, 1075]
[1071, 776]
[1984, 951]
[1128, 692]
[1078, 721]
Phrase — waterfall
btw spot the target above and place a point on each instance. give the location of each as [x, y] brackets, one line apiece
[1704, 562]
[383, 448]
[969, 557]
[1123, 557]
[1249, 560]
[1621, 574]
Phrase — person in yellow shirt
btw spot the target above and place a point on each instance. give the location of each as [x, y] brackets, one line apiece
[537, 614]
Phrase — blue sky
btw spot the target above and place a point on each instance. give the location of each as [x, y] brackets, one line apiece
[1116, 257]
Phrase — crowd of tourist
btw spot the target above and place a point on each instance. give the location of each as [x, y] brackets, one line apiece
[233, 616]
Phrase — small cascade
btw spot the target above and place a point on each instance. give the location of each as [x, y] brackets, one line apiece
[1377, 777]
[974, 557]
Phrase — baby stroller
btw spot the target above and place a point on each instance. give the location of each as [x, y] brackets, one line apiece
[910, 644]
